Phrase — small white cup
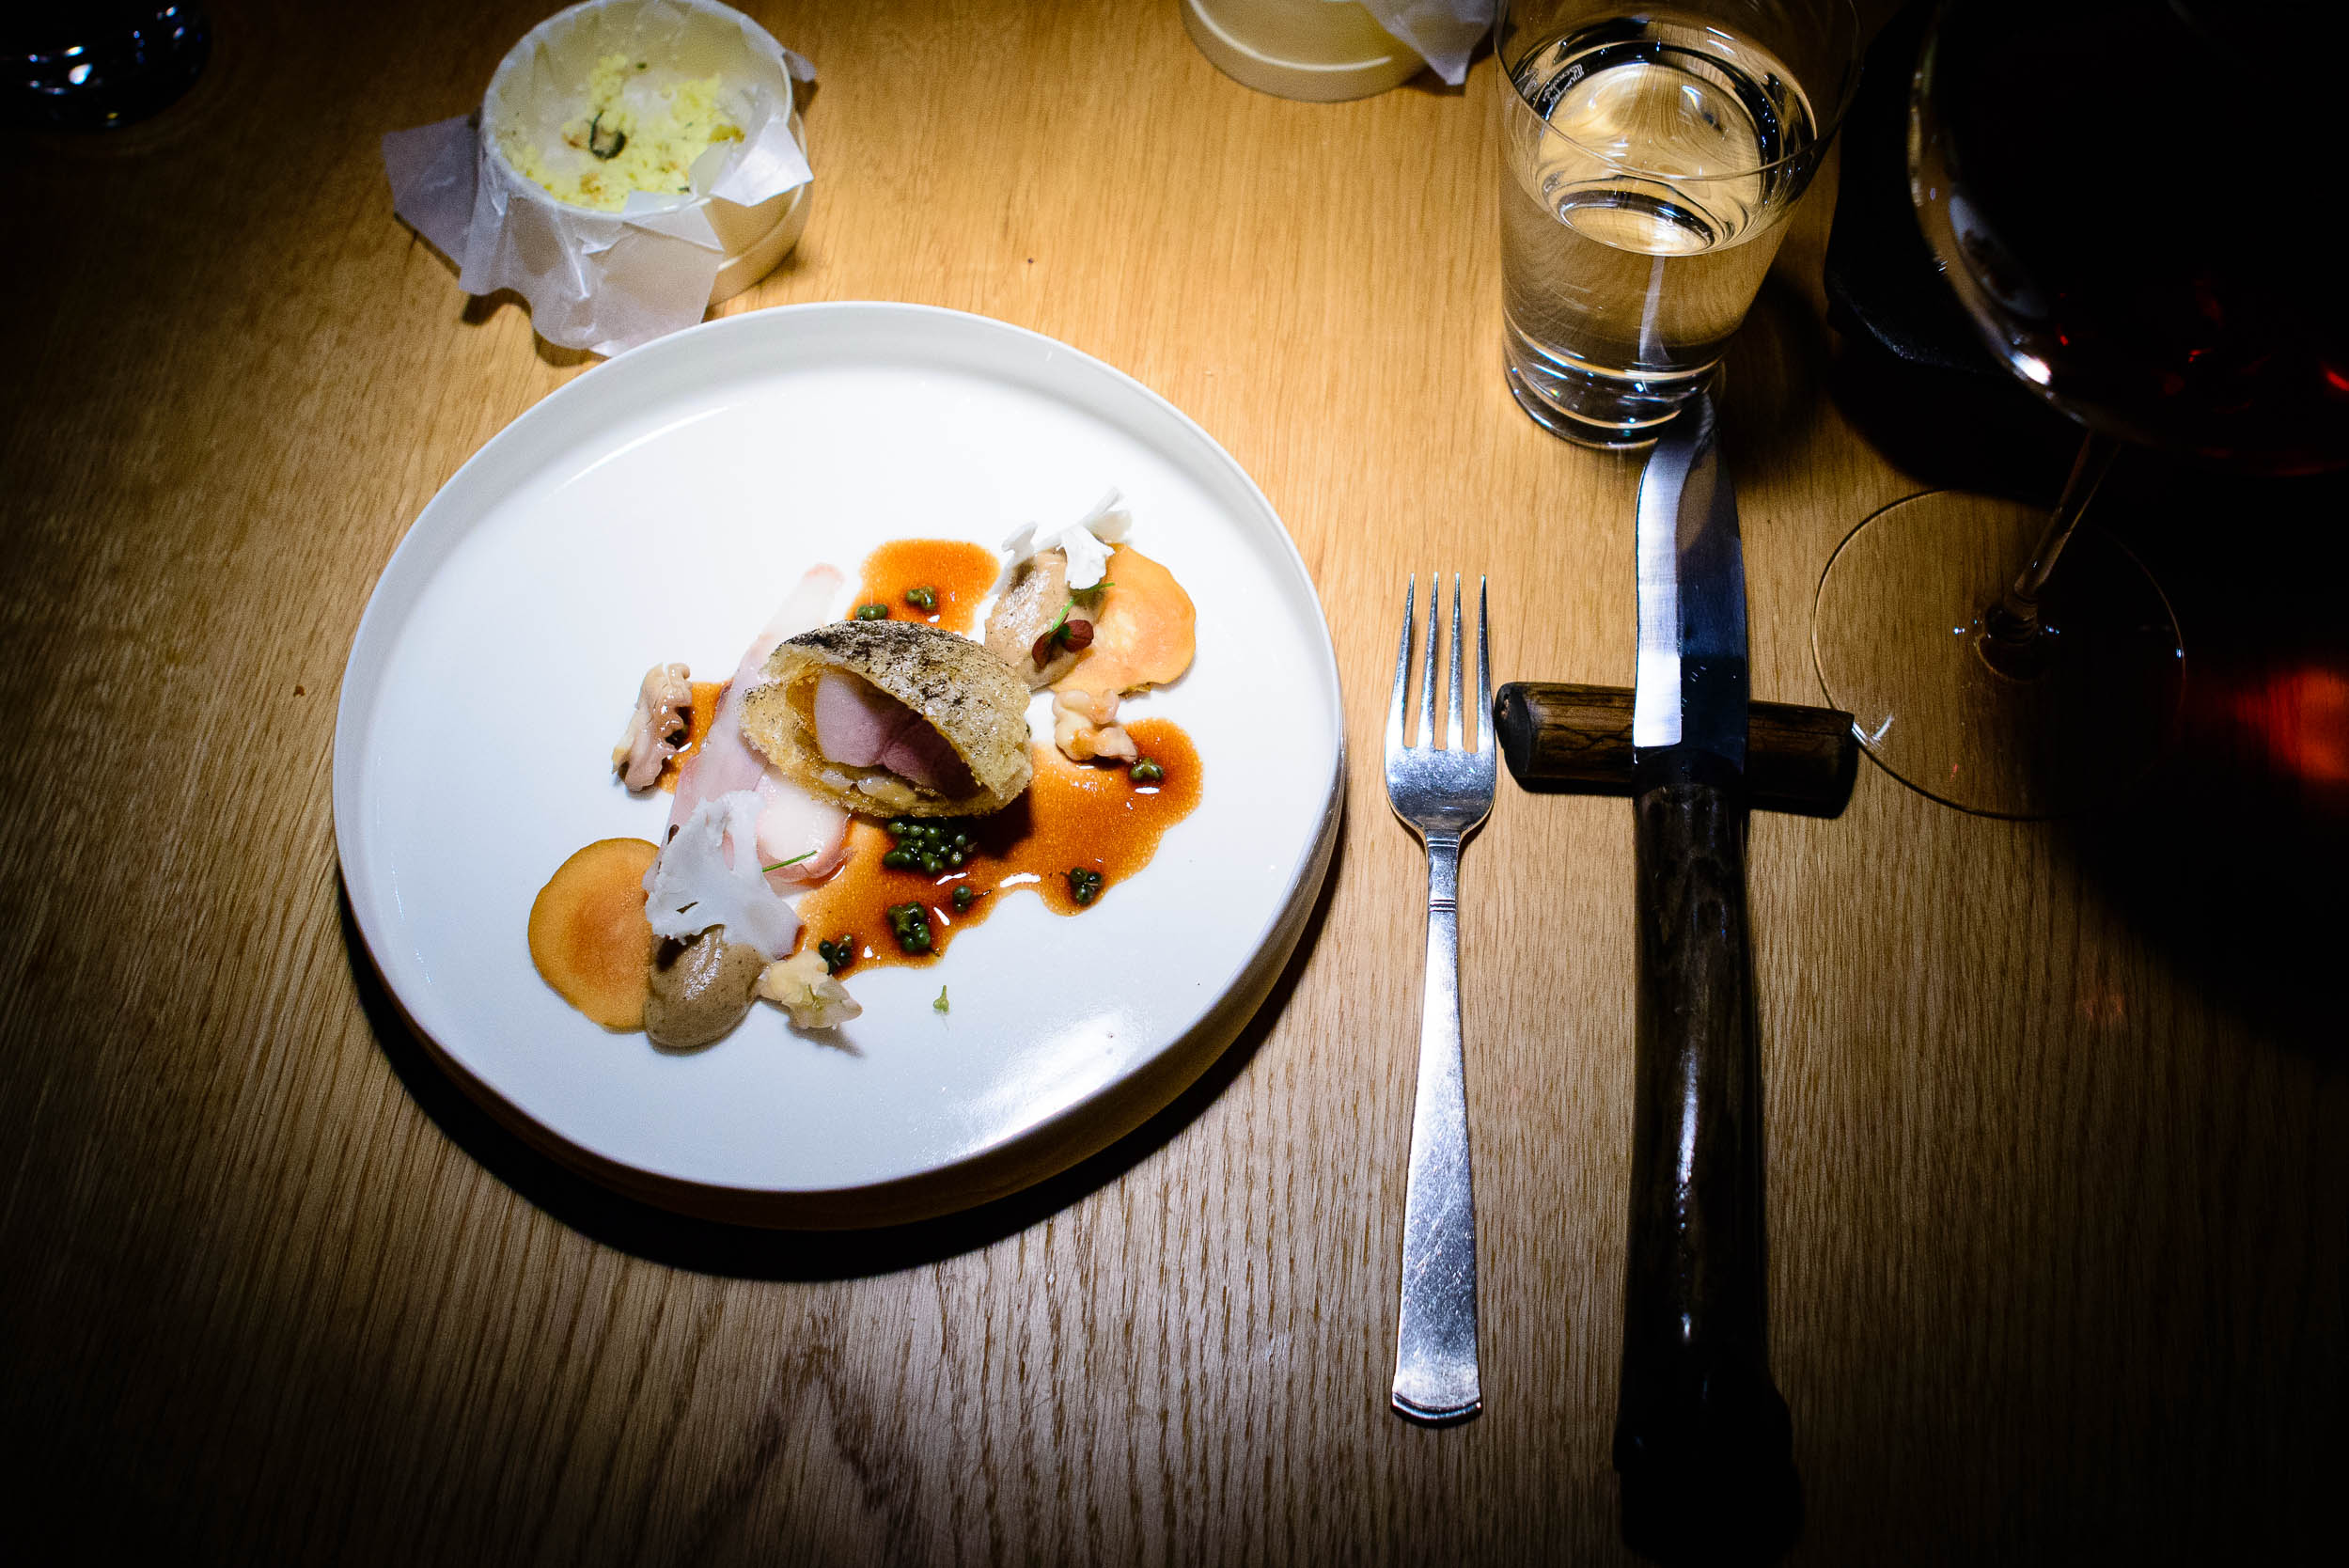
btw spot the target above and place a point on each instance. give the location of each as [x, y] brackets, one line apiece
[535, 88]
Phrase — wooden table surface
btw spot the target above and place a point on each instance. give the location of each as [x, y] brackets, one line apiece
[2059, 1203]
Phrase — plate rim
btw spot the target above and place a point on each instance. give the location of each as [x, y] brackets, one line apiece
[1011, 1163]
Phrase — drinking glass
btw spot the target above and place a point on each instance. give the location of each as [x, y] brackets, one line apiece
[1649, 160]
[95, 65]
[2123, 265]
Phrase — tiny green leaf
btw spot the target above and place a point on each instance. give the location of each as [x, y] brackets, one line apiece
[1070, 603]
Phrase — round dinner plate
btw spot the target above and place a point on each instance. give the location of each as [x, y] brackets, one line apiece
[660, 508]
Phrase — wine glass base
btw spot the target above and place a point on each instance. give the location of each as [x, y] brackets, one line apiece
[1898, 638]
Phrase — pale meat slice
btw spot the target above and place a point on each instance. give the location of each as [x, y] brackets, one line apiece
[794, 824]
[853, 722]
[862, 726]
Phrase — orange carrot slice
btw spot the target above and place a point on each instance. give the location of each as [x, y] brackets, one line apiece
[588, 936]
[1146, 632]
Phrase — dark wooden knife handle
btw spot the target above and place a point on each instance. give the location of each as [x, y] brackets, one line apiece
[1557, 735]
[1703, 1447]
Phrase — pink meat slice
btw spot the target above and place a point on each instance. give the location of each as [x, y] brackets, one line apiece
[861, 727]
[793, 824]
[854, 720]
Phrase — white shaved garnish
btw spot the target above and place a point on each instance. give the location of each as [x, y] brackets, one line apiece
[691, 888]
[1084, 541]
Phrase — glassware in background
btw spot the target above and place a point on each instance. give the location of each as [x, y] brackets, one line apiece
[2140, 266]
[1649, 160]
[99, 64]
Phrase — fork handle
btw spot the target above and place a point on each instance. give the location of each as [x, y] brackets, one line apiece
[1702, 1442]
[1435, 1337]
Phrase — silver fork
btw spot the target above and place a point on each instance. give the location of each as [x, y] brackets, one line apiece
[1442, 794]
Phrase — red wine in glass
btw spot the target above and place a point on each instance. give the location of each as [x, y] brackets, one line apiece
[2130, 198]
[2125, 196]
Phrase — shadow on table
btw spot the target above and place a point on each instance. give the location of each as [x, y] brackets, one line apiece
[2230, 856]
[712, 1247]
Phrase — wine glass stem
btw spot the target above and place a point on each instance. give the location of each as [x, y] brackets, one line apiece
[2011, 627]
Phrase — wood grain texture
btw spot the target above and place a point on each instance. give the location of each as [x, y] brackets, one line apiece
[1703, 1445]
[2057, 1208]
[1568, 735]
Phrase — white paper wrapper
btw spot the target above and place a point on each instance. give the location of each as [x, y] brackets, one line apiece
[606, 281]
[1444, 33]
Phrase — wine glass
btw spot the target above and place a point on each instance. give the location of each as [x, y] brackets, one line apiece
[2114, 259]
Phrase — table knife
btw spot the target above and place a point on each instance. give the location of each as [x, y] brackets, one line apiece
[1703, 1445]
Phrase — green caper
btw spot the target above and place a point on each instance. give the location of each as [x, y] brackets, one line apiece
[1144, 771]
[1083, 885]
[873, 612]
[836, 955]
[923, 597]
[898, 860]
[964, 895]
[910, 924]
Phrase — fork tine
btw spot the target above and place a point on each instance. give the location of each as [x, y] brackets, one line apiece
[1485, 676]
[1451, 709]
[1427, 665]
[1402, 670]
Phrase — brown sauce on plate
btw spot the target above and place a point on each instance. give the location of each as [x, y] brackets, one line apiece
[1075, 816]
[960, 573]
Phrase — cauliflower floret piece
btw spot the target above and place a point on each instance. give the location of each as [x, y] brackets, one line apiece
[803, 985]
[1083, 727]
[1085, 543]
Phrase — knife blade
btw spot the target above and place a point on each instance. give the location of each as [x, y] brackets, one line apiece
[1703, 1445]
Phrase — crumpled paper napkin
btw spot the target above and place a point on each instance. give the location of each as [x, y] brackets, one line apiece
[1444, 33]
[600, 281]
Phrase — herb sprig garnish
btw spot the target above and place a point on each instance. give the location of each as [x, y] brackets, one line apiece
[1074, 595]
[1074, 635]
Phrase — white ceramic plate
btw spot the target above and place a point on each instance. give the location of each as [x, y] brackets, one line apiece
[660, 507]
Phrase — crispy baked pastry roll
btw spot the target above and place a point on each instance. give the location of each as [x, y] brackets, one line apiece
[893, 718]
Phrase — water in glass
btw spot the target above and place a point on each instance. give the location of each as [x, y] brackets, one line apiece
[1647, 163]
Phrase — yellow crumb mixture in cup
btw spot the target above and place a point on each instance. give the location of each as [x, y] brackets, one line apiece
[634, 132]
